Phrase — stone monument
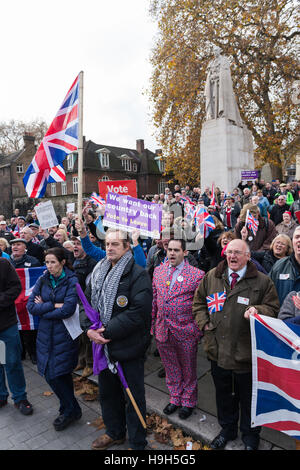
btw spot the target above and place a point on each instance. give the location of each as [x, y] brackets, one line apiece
[226, 145]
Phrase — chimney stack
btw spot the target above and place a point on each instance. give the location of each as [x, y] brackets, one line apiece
[140, 145]
[28, 139]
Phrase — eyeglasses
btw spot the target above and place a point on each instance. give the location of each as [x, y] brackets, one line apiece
[236, 252]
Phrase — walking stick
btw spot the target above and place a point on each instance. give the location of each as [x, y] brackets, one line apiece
[98, 350]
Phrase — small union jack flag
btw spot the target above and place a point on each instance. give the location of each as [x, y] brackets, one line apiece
[252, 223]
[187, 200]
[204, 221]
[215, 302]
[97, 200]
[60, 140]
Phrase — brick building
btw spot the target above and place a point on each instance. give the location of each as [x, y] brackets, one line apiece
[100, 162]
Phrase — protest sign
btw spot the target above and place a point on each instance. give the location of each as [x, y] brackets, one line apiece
[249, 175]
[122, 187]
[70, 207]
[128, 213]
[46, 214]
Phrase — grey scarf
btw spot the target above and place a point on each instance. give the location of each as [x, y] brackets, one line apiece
[105, 282]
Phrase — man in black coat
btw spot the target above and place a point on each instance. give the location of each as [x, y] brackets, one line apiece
[121, 291]
[32, 249]
[278, 209]
[10, 345]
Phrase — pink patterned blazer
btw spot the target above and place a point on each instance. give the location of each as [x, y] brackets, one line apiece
[172, 308]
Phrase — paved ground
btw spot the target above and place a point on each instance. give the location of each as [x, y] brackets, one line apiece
[36, 432]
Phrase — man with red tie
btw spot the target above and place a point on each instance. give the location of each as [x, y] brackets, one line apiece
[223, 303]
[174, 328]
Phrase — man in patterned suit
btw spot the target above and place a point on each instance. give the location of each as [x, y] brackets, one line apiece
[175, 331]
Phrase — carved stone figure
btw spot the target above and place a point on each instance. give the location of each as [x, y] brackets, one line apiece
[220, 98]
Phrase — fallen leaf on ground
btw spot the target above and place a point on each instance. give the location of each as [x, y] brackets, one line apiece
[47, 394]
[98, 423]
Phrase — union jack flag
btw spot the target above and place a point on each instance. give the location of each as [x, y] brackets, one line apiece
[98, 200]
[28, 278]
[60, 140]
[276, 374]
[187, 200]
[204, 221]
[215, 302]
[189, 211]
[252, 223]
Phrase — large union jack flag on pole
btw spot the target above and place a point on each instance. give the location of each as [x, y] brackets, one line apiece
[276, 374]
[60, 140]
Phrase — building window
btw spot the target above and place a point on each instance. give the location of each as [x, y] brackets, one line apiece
[134, 167]
[105, 178]
[162, 165]
[75, 184]
[20, 168]
[70, 161]
[161, 186]
[53, 189]
[103, 157]
[126, 163]
[104, 160]
[64, 188]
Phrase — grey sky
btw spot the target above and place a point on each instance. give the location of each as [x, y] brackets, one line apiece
[46, 44]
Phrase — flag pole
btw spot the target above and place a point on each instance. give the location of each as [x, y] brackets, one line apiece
[80, 145]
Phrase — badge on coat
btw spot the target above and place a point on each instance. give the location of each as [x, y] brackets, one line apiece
[122, 301]
[215, 302]
[180, 279]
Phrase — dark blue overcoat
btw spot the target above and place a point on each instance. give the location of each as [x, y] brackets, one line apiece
[55, 347]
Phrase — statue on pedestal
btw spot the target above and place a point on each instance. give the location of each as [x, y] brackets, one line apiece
[219, 94]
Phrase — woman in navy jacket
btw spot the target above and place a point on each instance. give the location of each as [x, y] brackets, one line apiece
[54, 299]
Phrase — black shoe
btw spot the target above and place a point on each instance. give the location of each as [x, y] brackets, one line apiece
[61, 418]
[185, 412]
[62, 422]
[219, 442]
[170, 408]
[25, 407]
[161, 373]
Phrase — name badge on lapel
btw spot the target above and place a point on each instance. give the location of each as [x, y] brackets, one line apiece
[180, 279]
[243, 300]
[284, 277]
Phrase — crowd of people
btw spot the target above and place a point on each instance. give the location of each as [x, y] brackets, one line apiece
[162, 290]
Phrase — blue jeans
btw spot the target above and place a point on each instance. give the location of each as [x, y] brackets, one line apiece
[13, 366]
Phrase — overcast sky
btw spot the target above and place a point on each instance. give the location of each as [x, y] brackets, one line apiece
[44, 45]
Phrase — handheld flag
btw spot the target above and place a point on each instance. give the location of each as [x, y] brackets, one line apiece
[252, 222]
[60, 140]
[213, 197]
[276, 374]
[204, 221]
[97, 200]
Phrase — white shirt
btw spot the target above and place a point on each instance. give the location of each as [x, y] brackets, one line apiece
[241, 273]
